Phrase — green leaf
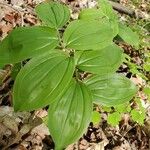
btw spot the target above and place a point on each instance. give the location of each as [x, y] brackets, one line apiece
[45, 120]
[106, 8]
[53, 14]
[109, 13]
[106, 109]
[114, 26]
[85, 35]
[103, 61]
[123, 108]
[99, 15]
[15, 70]
[147, 92]
[96, 117]
[114, 118]
[91, 13]
[70, 116]
[42, 80]
[27, 42]
[111, 90]
[138, 116]
[146, 66]
[128, 35]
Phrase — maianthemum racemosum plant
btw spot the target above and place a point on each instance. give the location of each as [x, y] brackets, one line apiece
[69, 69]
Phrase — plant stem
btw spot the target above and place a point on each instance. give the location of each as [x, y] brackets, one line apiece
[60, 40]
[77, 74]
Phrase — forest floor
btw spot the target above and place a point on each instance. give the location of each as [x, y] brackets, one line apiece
[25, 130]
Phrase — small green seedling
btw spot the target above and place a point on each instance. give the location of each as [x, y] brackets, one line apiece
[68, 71]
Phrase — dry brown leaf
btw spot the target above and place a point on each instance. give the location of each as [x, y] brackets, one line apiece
[9, 17]
[6, 28]
[137, 80]
[32, 20]
[17, 2]
[10, 123]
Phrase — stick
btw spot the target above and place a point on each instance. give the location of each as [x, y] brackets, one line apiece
[122, 9]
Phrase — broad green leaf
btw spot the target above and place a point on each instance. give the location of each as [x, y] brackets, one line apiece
[96, 117]
[42, 80]
[70, 116]
[128, 35]
[114, 26]
[85, 35]
[53, 14]
[110, 14]
[91, 13]
[106, 8]
[114, 118]
[111, 90]
[27, 42]
[102, 61]
[97, 14]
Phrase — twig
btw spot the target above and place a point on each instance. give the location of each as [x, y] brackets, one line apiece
[129, 130]
[122, 9]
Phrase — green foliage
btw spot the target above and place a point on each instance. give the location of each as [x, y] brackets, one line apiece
[110, 15]
[27, 42]
[138, 114]
[53, 14]
[104, 61]
[128, 35]
[147, 92]
[133, 68]
[74, 110]
[54, 74]
[86, 35]
[15, 70]
[106, 109]
[140, 27]
[96, 117]
[146, 65]
[106, 8]
[123, 108]
[49, 74]
[110, 90]
[114, 118]
[104, 14]
[91, 13]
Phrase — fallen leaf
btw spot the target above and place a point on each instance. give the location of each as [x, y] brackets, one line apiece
[10, 123]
